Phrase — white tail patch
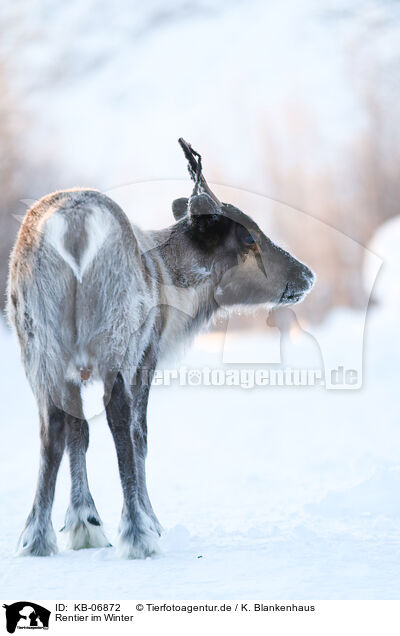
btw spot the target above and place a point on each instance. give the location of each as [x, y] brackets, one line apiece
[56, 228]
[98, 226]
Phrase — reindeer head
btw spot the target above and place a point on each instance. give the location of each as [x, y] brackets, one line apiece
[249, 268]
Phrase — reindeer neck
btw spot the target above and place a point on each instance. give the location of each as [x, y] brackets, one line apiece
[187, 276]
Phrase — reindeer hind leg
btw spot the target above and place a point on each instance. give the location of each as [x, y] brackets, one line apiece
[38, 537]
[83, 526]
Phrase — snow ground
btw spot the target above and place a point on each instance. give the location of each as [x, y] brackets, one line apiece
[288, 493]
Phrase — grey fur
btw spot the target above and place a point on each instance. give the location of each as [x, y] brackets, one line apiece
[93, 297]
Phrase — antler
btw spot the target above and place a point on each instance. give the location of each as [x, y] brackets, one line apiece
[195, 170]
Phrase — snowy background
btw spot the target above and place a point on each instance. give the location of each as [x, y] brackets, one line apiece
[282, 492]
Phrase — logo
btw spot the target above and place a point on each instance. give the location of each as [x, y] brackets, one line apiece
[26, 615]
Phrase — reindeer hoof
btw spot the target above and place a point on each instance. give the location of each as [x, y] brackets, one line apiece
[138, 541]
[37, 542]
[84, 530]
[140, 547]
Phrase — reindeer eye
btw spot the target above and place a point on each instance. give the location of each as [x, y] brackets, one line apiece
[248, 240]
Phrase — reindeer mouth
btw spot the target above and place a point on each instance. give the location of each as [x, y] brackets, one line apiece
[301, 281]
[291, 296]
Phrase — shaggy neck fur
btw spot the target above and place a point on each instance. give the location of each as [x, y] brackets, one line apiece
[187, 283]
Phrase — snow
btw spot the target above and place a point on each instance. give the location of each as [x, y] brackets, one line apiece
[270, 492]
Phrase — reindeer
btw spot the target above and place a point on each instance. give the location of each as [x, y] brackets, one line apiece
[89, 296]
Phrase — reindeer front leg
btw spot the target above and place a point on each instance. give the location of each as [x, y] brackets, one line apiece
[140, 391]
[139, 528]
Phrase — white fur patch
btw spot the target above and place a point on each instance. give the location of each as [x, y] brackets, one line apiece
[56, 228]
[80, 533]
[98, 226]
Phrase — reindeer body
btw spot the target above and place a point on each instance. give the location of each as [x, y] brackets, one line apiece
[93, 298]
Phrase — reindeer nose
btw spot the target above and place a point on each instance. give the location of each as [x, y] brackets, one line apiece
[300, 280]
[305, 277]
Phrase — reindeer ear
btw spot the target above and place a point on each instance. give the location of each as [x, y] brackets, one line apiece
[180, 208]
[206, 220]
[203, 205]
